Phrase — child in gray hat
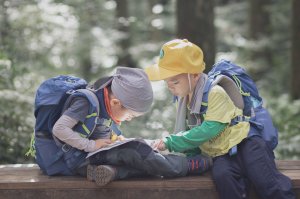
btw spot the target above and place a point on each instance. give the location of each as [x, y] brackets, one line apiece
[121, 97]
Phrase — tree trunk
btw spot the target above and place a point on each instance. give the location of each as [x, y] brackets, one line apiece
[154, 33]
[5, 28]
[85, 43]
[295, 72]
[195, 22]
[7, 43]
[122, 16]
[260, 28]
[259, 18]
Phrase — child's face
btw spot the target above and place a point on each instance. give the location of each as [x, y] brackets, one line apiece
[178, 85]
[121, 113]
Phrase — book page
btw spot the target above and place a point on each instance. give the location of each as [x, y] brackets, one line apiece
[118, 143]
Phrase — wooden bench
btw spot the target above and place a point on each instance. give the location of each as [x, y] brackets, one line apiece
[27, 182]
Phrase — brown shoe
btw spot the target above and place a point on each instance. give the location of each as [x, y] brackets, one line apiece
[102, 174]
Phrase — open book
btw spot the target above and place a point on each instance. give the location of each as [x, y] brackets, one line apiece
[118, 143]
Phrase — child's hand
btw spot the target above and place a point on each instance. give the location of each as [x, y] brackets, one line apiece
[102, 143]
[158, 145]
[115, 137]
[121, 138]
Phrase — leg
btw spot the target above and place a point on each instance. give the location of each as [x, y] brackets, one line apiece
[167, 166]
[103, 174]
[260, 168]
[228, 177]
[140, 156]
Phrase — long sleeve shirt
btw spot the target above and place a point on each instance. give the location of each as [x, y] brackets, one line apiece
[214, 136]
[193, 138]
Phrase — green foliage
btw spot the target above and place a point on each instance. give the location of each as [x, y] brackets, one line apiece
[16, 125]
[15, 116]
[286, 116]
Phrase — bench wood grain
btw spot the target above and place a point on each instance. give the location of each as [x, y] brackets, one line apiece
[25, 181]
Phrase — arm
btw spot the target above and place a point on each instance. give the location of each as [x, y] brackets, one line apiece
[218, 116]
[63, 131]
[63, 128]
[193, 138]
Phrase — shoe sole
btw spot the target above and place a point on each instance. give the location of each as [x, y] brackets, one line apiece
[100, 174]
[90, 172]
[103, 175]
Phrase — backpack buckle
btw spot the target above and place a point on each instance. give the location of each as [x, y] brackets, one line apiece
[216, 74]
[70, 92]
[66, 148]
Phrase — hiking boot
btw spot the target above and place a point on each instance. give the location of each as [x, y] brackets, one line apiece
[199, 164]
[102, 174]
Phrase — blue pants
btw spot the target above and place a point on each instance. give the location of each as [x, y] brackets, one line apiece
[136, 159]
[253, 164]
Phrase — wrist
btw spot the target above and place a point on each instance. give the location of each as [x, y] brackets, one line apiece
[165, 142]
[91, 146]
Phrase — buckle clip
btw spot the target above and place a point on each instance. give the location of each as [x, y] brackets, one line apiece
[66, 148]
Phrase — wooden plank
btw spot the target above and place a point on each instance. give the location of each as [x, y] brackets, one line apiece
[288, 164]
[28, 176]
[27, 182]
[108, 194]
[31, 174]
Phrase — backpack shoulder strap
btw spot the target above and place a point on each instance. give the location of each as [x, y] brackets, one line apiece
[95, 103]
[92, 119]
[228, 85]
[91, 96]
[231, 89]
[206, 90]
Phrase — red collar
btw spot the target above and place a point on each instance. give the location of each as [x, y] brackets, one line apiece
[108, 108]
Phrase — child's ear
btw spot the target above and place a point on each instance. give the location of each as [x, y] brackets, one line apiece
[115, 102]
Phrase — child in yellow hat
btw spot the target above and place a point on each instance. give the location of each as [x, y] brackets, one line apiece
[181, 66]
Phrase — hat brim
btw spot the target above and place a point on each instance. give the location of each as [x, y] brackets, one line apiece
[103, 82]
[156, 73]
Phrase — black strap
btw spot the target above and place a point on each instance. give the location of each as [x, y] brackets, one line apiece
[43, 135]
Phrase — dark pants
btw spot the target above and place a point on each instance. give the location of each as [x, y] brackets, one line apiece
[253, 164]
[135, 159]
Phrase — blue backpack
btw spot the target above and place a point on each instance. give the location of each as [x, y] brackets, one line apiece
[51, 96]
[53, 156]
[234, 80]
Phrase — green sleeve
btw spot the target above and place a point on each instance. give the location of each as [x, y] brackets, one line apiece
[193, 138]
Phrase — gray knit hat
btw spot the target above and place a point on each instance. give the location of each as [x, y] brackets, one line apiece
[133, 88]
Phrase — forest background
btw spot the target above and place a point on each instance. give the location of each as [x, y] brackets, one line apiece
[45, 38]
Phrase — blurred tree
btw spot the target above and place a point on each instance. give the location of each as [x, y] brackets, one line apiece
[16, 82]
[259, 31]
[123, 25]
[7, 40]
[259, 18]
[154, 8]
[195, 22]
[295, 74]
[225, 2]
[84, 43]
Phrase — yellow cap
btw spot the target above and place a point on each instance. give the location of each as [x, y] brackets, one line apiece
[176, 57]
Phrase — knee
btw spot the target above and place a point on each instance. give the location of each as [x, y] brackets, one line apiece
[221, 175]
[127, 154]
[254, 144]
